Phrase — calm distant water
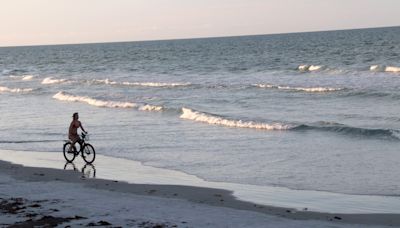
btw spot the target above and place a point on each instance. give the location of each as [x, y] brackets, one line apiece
[317, 111]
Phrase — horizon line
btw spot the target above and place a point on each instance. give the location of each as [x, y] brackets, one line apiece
[194, 38]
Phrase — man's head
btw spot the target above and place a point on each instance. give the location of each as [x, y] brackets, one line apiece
[75, 116]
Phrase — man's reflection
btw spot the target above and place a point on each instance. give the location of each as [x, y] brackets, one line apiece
[88, 170]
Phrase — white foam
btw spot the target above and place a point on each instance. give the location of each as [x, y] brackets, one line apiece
[144, 84]
[105, 81]
[23, 77]
[148, 107]
[303, 67]
[62, 96]
[216, 120]
[310, 67]
[305, 89]
[27, 77]
[156, 84]
[392, 69]
[50, 80]
[382, 68]
[375, 68]
[15, 90]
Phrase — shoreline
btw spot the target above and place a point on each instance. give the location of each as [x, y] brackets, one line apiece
[196, 194]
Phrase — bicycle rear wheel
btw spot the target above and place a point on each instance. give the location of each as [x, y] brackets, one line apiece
[88, 153]
[69, 152]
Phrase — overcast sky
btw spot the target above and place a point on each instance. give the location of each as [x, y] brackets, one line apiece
[33, 22]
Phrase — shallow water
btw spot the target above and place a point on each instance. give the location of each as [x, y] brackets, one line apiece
[312, 111]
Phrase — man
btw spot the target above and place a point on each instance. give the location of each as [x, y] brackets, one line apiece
[73, 129]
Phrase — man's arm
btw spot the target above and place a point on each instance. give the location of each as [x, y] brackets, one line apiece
[80, 125]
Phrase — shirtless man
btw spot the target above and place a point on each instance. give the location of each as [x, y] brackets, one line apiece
[73, 129]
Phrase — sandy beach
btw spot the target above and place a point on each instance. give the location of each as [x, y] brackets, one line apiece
[75, 195]
[269, 114]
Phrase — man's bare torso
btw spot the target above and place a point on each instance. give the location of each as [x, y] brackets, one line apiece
[73, 128]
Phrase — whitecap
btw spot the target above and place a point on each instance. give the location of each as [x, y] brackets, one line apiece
[310, 67]
[15, 90]
[51, 80]
[155, 84]
[217, 120]
[382, 68]
[27, 77]
[143, 84]
[104, 81]
[62, 96]
[23, 77]
[148, 107]
[392, 69]
[315, 68]
[304, 89]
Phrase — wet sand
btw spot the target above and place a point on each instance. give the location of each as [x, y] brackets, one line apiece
[199, 195]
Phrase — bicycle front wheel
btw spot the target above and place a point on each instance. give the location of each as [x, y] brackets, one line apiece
[69, 152]
[88, 153]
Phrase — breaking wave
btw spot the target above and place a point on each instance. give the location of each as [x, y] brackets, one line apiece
[151, 108]
[14, 90]
[352, 131]
[218, 120]
[51, 80]
[382, 68]
[372, 94]
[310, 68]
[62, 96]
[23, 77]
[304, 89]
[144, 84]
[320, 126]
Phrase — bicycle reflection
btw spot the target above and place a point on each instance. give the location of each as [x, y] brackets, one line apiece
[88, 170]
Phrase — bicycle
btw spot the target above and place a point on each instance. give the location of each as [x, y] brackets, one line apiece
[87, 150]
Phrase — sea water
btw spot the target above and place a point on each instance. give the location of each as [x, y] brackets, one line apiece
[306, 111]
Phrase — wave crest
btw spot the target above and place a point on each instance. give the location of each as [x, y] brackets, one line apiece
[352, 131]
[383, 68]
[217, 120]
[15, 90]
[310, 67]
[148, 107]
[144, 84]
[304, 89]
[23, 77]
[51, 80]
[62, 96]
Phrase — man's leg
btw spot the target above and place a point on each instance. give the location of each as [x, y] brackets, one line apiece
[73, 142]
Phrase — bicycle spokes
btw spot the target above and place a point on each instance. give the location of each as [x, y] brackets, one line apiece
[88, 153]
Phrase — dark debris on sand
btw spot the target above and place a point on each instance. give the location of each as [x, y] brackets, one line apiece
[149, 224]
[100, 223]
[12, 206]
[38, 218]
[37, 214]
[45, 221]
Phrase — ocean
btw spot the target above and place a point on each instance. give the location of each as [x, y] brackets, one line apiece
[306, 111]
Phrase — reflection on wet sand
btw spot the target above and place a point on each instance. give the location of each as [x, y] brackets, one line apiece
[88, 170]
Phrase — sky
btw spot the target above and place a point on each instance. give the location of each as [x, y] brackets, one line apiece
[38, 22]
